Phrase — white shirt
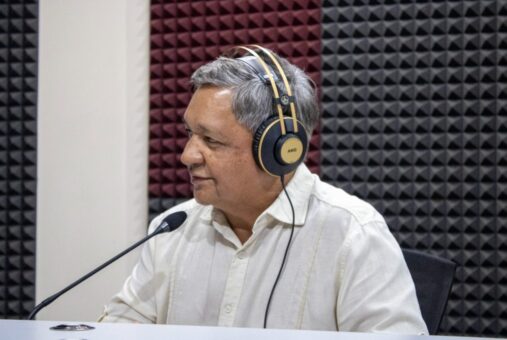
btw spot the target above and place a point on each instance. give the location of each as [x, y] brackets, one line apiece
[345, 271]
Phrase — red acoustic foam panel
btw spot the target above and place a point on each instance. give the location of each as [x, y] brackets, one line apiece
[187, 34]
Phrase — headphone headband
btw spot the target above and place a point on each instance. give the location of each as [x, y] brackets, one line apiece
[276, 94]
[285, 82]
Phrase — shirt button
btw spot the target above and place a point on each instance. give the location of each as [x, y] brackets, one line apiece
[241, 255]
[228, 308]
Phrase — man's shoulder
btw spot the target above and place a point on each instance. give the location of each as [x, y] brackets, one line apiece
[340, 201]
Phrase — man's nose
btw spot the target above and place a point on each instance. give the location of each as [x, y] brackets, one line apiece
[192, 154]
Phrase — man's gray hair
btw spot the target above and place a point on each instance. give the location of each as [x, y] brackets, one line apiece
[252, 100]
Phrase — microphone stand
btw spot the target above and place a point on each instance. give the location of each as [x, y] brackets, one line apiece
[160, 229]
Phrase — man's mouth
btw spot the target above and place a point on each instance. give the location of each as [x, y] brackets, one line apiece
[198, 179]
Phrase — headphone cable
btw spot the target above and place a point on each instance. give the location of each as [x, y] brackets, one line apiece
[284, 255]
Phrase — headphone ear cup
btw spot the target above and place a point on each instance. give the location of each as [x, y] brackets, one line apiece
[279, 154]
[257, 138]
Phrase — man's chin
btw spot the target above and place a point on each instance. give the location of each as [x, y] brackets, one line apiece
[201, 199]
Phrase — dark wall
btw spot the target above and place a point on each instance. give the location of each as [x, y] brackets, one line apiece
[18, 85]
[413, 118]
[414, 121]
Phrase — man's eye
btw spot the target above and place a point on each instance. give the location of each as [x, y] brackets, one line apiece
[189, 132]
[210, 140]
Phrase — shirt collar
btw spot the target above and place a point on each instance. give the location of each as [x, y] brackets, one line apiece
[299, 189]
[207, 213]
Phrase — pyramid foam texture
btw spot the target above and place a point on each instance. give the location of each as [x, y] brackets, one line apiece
[414, 98]
[18, 86]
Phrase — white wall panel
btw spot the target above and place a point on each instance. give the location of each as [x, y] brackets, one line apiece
[92, 147]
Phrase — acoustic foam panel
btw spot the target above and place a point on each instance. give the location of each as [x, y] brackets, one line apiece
[18, 85]
[414, 121]
[185, 35]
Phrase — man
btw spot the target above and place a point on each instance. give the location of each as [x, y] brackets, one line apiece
[284, 251]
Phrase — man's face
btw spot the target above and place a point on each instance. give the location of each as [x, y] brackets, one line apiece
[218, 153]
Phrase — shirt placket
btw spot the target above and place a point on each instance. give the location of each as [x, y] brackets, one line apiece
[237, 271]
[233, 289]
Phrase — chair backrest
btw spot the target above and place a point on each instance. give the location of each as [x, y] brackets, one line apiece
[433, 278]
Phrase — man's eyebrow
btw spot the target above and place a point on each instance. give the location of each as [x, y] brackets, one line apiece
[202, 129]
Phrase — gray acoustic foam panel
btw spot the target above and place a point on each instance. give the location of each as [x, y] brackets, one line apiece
[414, 101]
[18, 85]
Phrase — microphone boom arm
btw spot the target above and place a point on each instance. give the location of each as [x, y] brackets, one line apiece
[162, 228]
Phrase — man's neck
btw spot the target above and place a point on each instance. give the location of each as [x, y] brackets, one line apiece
[242, 219]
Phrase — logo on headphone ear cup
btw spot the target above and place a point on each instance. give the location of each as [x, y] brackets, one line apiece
[289, 149]
[279, 154]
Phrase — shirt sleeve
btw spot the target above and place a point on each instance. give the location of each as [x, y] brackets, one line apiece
[136, 301]
[376, 292]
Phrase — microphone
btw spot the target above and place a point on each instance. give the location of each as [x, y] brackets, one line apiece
[170, 223]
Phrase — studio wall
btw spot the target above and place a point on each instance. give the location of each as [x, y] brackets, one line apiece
[92, 133]
[414, 120]
[18, 161]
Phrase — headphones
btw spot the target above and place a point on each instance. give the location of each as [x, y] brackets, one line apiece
[280, 142]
